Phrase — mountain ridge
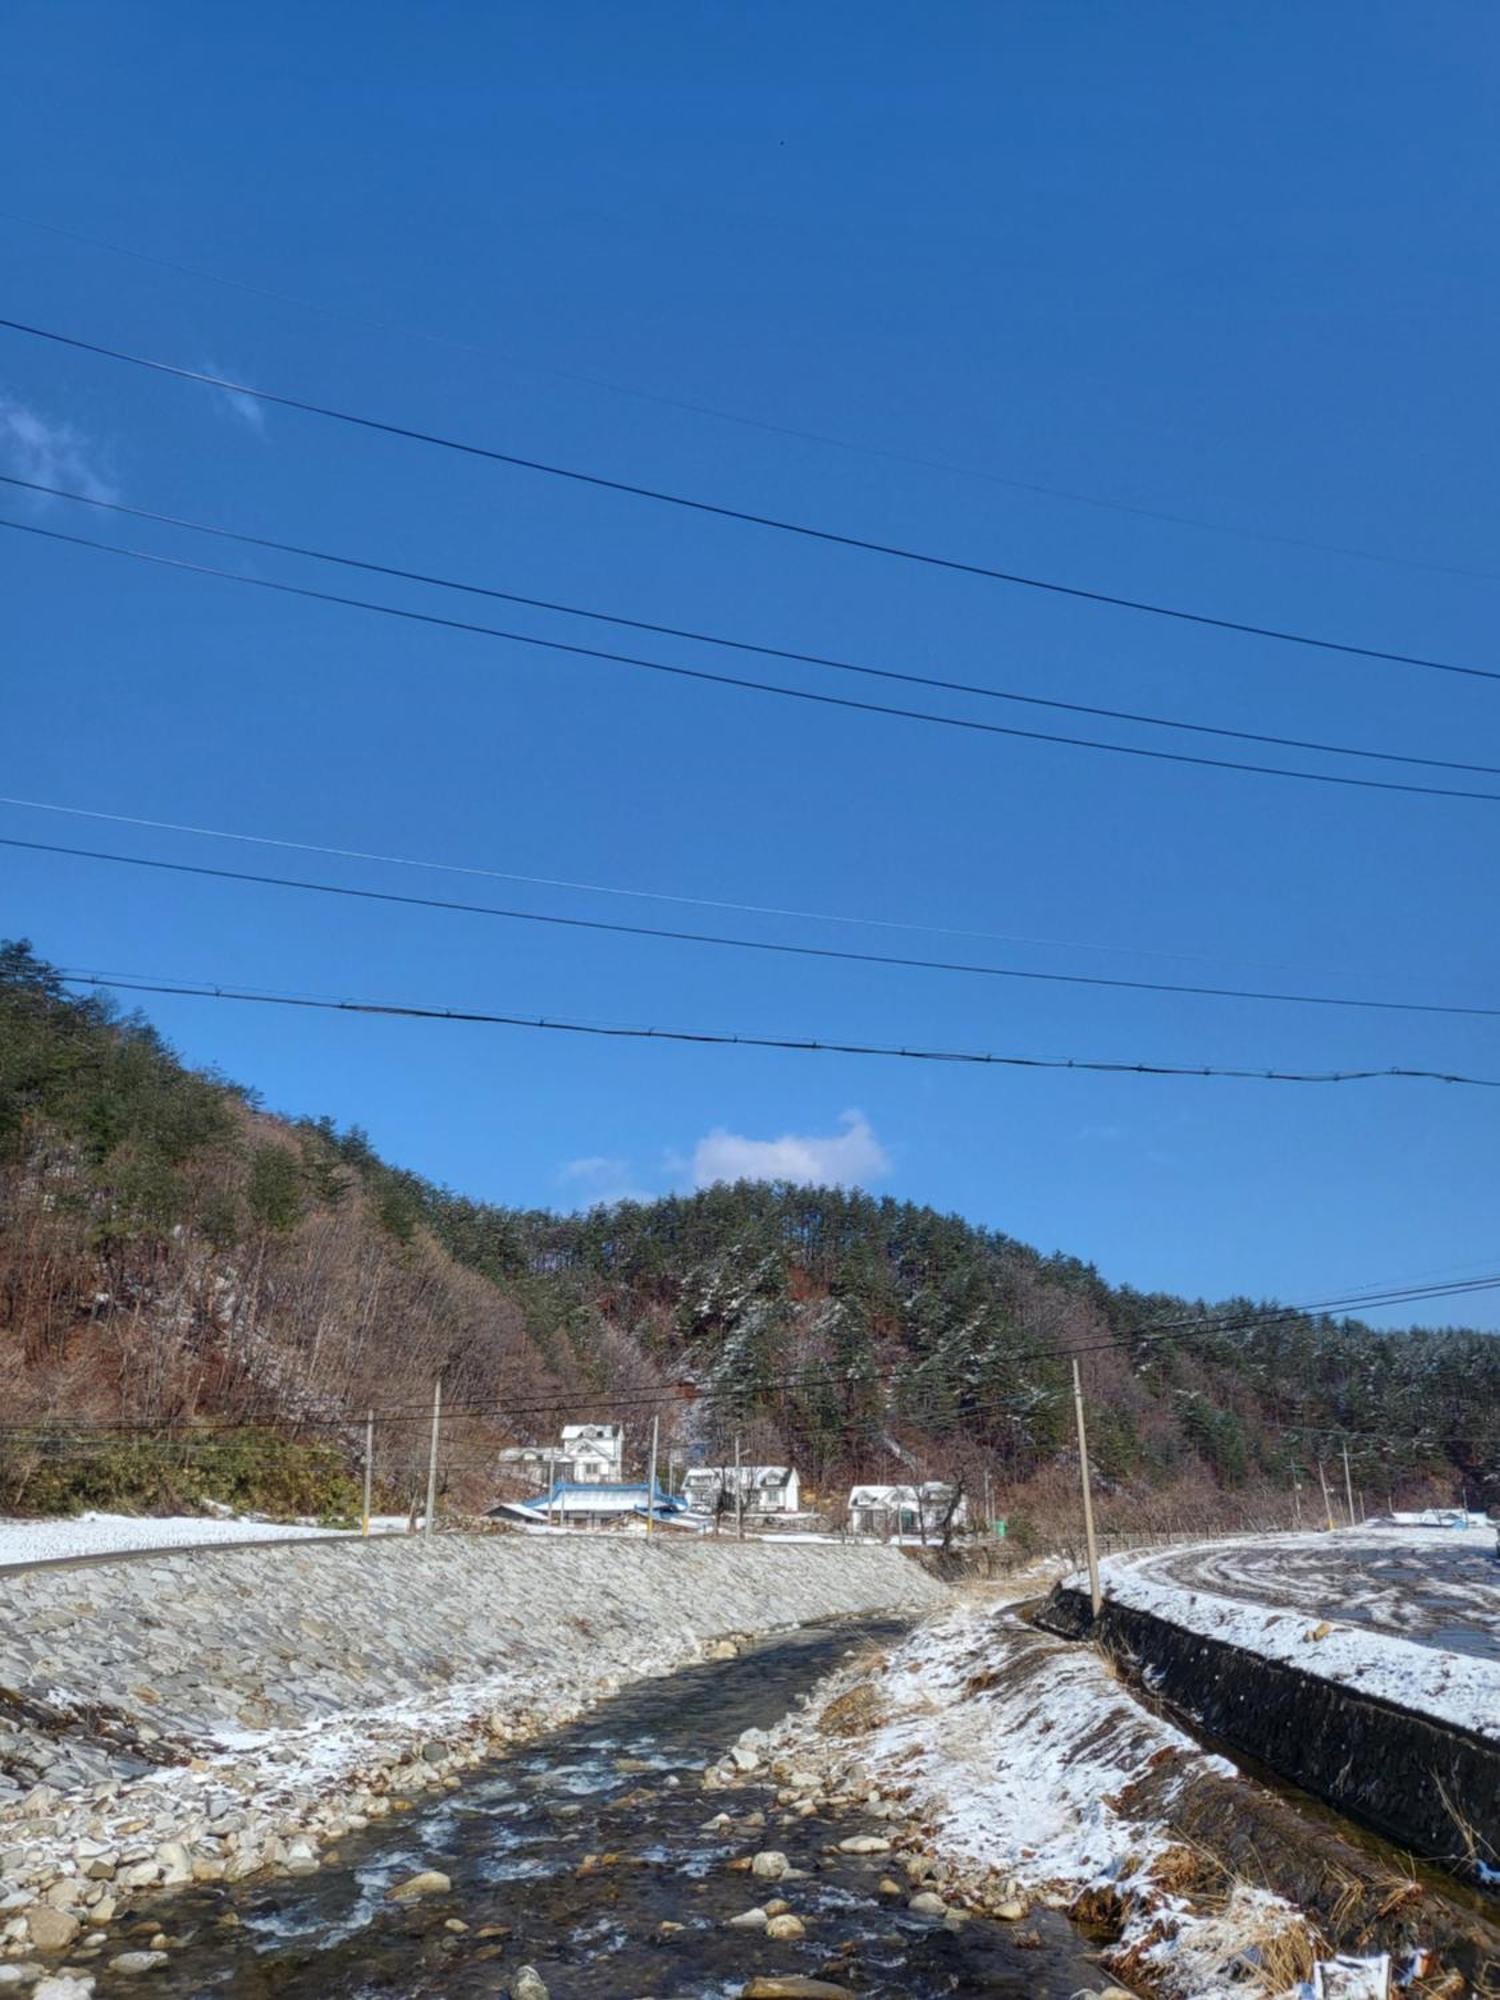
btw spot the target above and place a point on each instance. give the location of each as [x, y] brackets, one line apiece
[182, 1272]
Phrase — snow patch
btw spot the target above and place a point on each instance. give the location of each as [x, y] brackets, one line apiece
[118, 1534]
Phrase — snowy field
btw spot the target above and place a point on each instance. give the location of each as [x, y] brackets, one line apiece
[1410, 1615]
[117, 1534]
[1436, 1587]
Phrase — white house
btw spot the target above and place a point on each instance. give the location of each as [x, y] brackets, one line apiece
[586, 1454]
[766, 1489]
[906, 1510]
[594, 1451]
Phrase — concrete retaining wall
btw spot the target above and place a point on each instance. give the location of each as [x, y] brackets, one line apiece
[1413, 1779]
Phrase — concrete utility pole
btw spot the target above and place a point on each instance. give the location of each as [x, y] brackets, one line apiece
[1296, 1497]
[651, 1478]
[739, 1495]
[1348, 1486]
[437, 1417]
[369, 1462]
[989, 1523]
[1096, 1596]
[1327, 1503]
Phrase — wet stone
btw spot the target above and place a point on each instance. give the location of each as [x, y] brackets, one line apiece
[659, 1909]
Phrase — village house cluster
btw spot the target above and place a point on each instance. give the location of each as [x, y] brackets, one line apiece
[580, 1482]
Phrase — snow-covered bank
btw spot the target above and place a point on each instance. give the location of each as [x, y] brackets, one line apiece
[1334, 1613]
[118, 1534]
[979, 1725]
[1021, 1770]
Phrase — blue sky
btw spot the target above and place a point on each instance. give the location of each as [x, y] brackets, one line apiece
[1232, 265]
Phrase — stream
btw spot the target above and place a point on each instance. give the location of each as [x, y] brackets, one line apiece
[572, 1854]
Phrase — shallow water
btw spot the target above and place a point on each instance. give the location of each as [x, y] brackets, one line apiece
[515, 1841]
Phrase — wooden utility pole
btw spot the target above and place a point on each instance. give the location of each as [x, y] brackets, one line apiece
[1096, 1596]
[989, 1524]
[651, 1478]
[1296, 1497]
[369, 1462]
[739, 1495]
[1327, 1503]
[1348, 1486]
[432, 1456]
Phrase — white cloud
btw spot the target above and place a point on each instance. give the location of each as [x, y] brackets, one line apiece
[31, 447]
[248, 409]
[846, 1158]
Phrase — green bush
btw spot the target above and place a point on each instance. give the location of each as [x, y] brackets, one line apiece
[58, 1471]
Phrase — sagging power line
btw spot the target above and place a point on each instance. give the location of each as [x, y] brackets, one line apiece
[768, 427]
[658, 933]
[723, 511]
[888, 710]
[901, 676]
[705, 1038]
[327, 852]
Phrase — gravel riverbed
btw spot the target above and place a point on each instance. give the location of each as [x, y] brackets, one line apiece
[210, 1718]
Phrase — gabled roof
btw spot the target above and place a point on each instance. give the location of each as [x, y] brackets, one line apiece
[883, 1496]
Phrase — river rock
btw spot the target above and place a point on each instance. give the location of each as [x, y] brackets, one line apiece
[749, 1749]
[50, 1929]
[786, 1926]
[528, 1985]
[175, 1862]
[750, 1920]
[325, 1630]
[926, 1904]
[792, 1986]
[1009, 1913]
[137, 1961]
[769, 1865]
[864, 1843]
[431, 1882]
[65, 1986]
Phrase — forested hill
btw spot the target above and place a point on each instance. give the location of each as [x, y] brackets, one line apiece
[199, 1300]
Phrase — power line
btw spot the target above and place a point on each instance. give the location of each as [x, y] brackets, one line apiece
[776, 947]
[585, 888]
[820, 1375]
[900, 1374]
[722, 511]
[705, 1038]
[790, 654]
[813, 1376]
[821, 700]
[799, 433]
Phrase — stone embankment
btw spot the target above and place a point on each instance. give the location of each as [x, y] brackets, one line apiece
[201, 1717]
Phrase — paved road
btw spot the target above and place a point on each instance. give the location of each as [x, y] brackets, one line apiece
[1439, 1589]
